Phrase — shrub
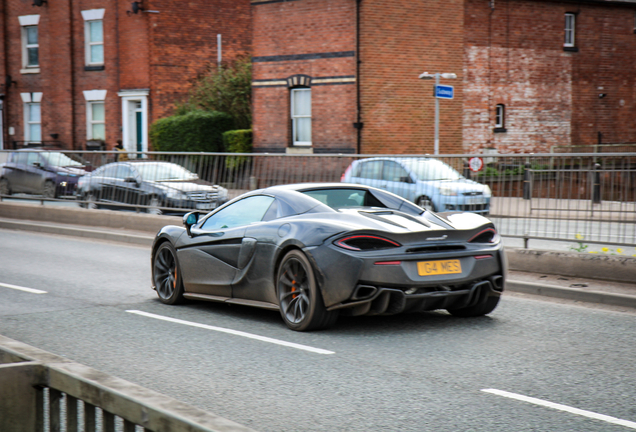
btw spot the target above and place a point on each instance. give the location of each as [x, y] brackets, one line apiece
[237, 141]
[194, 131]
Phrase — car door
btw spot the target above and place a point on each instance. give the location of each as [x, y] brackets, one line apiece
[31, 172]
[126, 186]
[209, 260]
[398, 180]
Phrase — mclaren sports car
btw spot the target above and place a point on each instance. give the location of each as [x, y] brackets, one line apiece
[315, 251]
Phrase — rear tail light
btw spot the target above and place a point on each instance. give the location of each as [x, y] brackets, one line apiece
[489, 235]
[344, 175]
[365, 243]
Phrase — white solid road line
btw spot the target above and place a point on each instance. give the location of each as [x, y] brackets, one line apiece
[233, 332]
[19, 288]
[589, 414]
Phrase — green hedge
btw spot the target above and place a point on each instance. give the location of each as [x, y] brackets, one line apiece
[195, 131]
[237, 141]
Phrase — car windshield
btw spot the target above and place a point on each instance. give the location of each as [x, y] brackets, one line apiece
[430, 169]
[164, 172]
[59, 159]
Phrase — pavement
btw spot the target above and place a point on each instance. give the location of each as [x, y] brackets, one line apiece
[580, 277]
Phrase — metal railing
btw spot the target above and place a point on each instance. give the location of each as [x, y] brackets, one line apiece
[550, 196]
[41, 392]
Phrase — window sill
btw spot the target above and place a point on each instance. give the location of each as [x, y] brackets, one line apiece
[30, 71]
[570, 49]
[94, 68]
[500, 130]
[299, 150]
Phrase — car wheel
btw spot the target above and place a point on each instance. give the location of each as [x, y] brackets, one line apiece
[153, 206]
[483, 308]
[426, 203]
[49, 189]
[301, 304]
[167, 275]
[4, 187]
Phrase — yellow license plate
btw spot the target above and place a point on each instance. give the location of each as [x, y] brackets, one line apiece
[430, 268]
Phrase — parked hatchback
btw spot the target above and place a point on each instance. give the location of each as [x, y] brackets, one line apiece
[429, 183]
[43, 172]
[160, 186]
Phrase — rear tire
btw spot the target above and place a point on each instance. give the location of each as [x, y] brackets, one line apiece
[300, 300]
[166, 275]
[483, 308]
[5, 189]
[49, 189]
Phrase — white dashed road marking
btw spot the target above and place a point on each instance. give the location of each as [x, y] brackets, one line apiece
[556, 406]
[19, 288]
[233, 332]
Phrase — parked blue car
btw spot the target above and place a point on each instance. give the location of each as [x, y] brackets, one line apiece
[427, 182]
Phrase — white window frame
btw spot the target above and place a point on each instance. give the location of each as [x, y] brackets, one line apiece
[93, 97]
[89, 16]
[570, 30]
[500, 116]
[25, 22]
[295, 116]
[30, 99]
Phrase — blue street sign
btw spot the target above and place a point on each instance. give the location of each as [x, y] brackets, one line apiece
[444, 92]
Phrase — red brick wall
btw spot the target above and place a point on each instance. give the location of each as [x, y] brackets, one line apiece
[398, 41]
[304, 27]
[184, 44]
[162, 52]
[514, 55]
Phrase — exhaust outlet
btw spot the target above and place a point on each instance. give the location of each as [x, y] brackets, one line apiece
[364, 292]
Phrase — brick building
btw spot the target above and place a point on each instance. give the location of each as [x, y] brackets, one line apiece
[342, 75]
[82, 72]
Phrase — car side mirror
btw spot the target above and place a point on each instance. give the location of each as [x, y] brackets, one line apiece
[406, 179]
[190, 219]
[37, 164]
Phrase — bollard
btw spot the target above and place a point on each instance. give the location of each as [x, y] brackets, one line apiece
[527, 182]
[596, 186]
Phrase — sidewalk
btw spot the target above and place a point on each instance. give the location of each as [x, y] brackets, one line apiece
[604, 279]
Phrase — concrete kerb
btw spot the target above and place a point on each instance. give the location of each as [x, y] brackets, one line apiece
[140, 229]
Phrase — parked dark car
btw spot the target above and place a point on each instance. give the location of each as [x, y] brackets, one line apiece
[313, 251]
[427, 182]
[159, 186]
[43, 172]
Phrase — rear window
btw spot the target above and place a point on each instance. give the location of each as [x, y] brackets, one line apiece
[342, 198]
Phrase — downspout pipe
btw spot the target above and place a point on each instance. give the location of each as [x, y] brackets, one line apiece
[358, 124]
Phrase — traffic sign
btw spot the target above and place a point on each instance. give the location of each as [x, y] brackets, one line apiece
[476, 164]
[444, 91]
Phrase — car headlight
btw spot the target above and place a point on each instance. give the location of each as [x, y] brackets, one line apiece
[176, 195]
[445, 190]
[222, 194]
[62, 174]
[487, 191]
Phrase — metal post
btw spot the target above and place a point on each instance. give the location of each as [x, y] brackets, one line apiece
[527, 182]
[436, 114]
[596, 187]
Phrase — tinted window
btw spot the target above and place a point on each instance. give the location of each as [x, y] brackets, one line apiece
[59, 159]
[243, 212]
[371, 170]
[342, 198]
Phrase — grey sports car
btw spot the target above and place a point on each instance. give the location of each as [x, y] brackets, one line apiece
[314, 251]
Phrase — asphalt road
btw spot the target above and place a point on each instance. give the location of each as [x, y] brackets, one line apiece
[417, 372]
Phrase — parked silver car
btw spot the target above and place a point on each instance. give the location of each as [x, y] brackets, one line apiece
[427, 182]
